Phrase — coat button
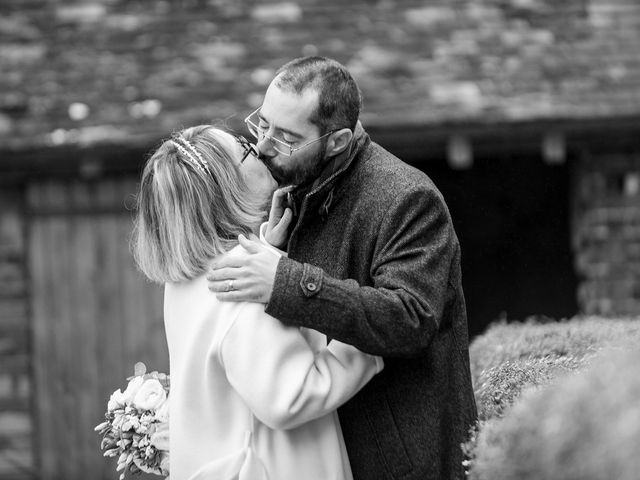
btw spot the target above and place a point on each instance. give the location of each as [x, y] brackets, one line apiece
[311, 287]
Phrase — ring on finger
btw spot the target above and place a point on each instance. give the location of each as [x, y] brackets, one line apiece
[230, 286]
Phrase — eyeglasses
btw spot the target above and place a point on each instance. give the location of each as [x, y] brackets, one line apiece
[247, 147]
[280, 146]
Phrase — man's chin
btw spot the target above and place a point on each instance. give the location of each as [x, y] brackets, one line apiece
[286, 183]
[279, 179]
[283, 180]
[286, 179]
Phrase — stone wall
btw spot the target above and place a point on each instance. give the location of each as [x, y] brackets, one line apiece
[16, 423]
[606, 233]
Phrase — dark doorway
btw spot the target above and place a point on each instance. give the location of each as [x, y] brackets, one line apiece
[511, 213]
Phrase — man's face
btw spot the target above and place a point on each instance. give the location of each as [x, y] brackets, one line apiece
[285, 115]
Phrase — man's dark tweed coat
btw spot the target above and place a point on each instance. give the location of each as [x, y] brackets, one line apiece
[374, 262]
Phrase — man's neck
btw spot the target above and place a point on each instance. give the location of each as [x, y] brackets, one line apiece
[331, 165]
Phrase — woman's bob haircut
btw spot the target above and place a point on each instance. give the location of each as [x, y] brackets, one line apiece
[186, 215]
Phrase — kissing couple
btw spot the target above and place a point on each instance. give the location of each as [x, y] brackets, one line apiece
[323, 336]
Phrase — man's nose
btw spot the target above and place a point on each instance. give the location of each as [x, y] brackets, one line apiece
[265, 148]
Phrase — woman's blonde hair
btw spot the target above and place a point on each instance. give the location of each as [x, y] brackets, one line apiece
[185, 214]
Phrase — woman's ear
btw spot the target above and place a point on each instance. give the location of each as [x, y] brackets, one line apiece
[339, 141]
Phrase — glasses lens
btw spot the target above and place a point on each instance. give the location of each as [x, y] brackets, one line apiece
[281, 148]
[247, 148]
[253, 128]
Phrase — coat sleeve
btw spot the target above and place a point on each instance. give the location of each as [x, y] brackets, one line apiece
[281, 378]
[414, 254]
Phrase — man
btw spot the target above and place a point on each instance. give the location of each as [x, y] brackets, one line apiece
[373, 261]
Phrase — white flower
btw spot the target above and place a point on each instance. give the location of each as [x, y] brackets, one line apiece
[143, 466]
[162, 412]
[118, 420]
[102, 426]
[132, 389]
[137, 424]
[147, 418]
[160, 438]
[165, 463]
[131, 423]
[150, 396]
[117, 400]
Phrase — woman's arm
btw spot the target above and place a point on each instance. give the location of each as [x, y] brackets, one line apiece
[280, 377]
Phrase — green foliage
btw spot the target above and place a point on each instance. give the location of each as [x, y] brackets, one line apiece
[532, 383]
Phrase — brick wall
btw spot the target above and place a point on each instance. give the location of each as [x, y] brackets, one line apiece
[606, 233]
[16, 455]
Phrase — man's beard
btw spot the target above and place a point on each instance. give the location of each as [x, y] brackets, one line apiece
[301, 174]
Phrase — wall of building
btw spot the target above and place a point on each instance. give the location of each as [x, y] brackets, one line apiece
[606, 233]
[16, 422]
[124, 73]
[115, 70]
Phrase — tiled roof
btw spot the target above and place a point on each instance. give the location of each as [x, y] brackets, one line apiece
[123, 71]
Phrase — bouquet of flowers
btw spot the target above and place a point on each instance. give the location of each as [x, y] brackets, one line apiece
[136, 426]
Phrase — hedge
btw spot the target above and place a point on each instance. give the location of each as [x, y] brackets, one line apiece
[546, 389]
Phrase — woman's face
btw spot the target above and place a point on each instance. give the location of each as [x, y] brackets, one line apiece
[253, 171]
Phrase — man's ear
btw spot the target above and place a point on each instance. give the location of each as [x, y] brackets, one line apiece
[339, 141]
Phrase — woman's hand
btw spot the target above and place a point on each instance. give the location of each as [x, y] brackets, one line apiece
[280, 218]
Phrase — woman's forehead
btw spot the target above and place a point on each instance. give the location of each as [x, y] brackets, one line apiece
[227, 141]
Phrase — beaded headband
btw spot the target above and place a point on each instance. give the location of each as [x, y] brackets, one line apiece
[191, 155]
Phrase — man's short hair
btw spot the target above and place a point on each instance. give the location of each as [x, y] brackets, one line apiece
[340, 99]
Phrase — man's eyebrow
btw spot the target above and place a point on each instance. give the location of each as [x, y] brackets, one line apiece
[283, 130]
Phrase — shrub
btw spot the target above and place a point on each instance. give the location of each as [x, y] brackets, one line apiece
[502, 385]
[575, 338]
[509, 358]
[582, 426]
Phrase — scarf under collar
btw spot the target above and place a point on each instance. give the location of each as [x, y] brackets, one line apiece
[326, 180]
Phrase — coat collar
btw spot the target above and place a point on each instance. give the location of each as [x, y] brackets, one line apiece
[322, 187]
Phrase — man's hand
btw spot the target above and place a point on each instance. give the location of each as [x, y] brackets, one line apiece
[279, 219]
[244, 276]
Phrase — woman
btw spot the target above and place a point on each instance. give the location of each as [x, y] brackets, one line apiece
[250, 398]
